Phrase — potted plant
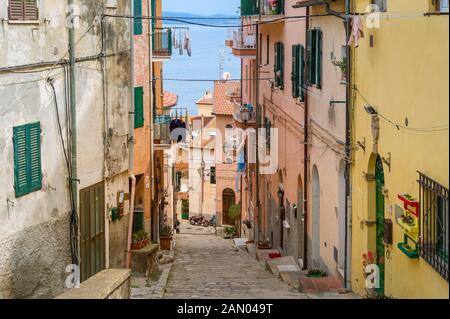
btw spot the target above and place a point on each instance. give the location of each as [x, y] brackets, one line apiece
[273, 5]
[139, 240]
[264, 244]
[165, 237]
[230, 231]
[316, 273]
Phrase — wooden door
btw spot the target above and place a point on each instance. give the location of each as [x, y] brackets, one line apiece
[379, 178]
[92, 226]
[228, 199]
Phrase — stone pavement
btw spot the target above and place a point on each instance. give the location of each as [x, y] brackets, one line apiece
[207, 266]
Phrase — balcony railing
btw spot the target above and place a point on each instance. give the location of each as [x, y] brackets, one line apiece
[244, 43]
[271, 7]
[161, 129]
[162, 43]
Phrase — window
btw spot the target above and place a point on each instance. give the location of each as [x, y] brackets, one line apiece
[27, 158]
[178, 180]
[298, 74]
[433, 242]
[260, 45]
[381, 5]
[23, 10]
[138, 107]
[268, 50]
[138, 13]
[279, 65]
[212, 176]
[314, 57]
[441, 5]
[267, 126]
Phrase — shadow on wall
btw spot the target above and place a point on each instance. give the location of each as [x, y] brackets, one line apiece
[33, 261]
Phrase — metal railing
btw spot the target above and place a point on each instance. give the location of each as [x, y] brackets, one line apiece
[161, 128]
[271, 7]
[162, 42]
[434, 225]
[244, 40]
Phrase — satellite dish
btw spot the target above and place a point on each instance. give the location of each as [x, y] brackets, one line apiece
[226, 75]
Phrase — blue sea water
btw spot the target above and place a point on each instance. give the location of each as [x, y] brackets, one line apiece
[205, 62]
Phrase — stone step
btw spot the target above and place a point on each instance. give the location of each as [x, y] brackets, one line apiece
[284, 264]
[263, 254]
[292, 278]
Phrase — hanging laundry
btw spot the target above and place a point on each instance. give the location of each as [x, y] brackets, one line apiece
[357, 31]
[174, 38]
[188, 43]
[180, 44]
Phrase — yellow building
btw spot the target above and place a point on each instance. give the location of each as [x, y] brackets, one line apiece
[400, 80]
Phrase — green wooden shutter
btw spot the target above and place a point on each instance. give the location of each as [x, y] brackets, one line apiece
[301, 72]
[154, 14]
[27, 158]
[137, 13]
[318, 58]
[280, 6]
[295, 69]
[310, 57]
[138, 107]
[275, 63]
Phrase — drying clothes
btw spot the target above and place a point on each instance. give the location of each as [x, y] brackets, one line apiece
[187, 45]
[357, 31]
[180, 44]
[174, 38]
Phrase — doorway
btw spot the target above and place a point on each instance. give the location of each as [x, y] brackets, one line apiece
[379, 201]
[228, 199]
[92, 228]
[315, 251]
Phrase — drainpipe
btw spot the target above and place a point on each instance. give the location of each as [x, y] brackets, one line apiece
[305, 167]
[73, 136]
[258, 125]
[131, 140]
[347, 128]
[150, 97]
[347, 140]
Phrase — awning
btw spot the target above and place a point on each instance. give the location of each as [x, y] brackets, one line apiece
[309, 3]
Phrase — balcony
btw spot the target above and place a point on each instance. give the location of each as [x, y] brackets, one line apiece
[244, 44]
[161, 131]
[162, 44]
[244, 115]
[271, 8]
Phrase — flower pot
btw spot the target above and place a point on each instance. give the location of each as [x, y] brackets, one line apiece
[165, 243]
[139, 245]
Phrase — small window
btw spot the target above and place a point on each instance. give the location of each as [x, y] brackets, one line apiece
[268, 50]
[298, 74]
[267, 126]
[434, 237]
[279, 65]
[213, 175]
[314, 57]
[441, 5]
[27, 158]
[23, 10]
[381, 5]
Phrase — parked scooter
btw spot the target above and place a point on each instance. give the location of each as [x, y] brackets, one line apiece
[213, 221]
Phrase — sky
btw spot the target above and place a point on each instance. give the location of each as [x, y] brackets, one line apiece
[202, 7]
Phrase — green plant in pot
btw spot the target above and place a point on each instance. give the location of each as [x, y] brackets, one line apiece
[139, 239]
[165, 237]
[230, 231]
[316, 273]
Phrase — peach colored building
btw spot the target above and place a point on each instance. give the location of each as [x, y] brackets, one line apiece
[227, 188]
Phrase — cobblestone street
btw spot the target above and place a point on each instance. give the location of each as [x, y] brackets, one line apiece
[210, 267]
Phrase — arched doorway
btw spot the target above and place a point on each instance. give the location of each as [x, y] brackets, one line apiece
[379, 206]
[315, 251]
[228, 199]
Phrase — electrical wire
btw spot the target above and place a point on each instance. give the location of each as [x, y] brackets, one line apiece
[438, 128]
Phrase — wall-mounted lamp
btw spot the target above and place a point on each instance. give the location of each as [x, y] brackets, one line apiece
[362, 144]
[370, 110]
[387, 161]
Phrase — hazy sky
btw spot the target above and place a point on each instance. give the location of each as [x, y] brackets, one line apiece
[204, 7]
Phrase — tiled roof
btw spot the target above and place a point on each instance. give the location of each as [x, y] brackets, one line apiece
[207, 99]
[222, 101]
[170, 99]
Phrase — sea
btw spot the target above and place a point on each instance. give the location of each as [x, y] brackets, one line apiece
[209, 60]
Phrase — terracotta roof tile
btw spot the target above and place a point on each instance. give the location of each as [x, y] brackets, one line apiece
[207, 99]
[170, 99]
[222, 100]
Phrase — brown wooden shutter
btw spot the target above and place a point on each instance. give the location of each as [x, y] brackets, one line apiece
[23, 10]
[30, 10]
[16, 10]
